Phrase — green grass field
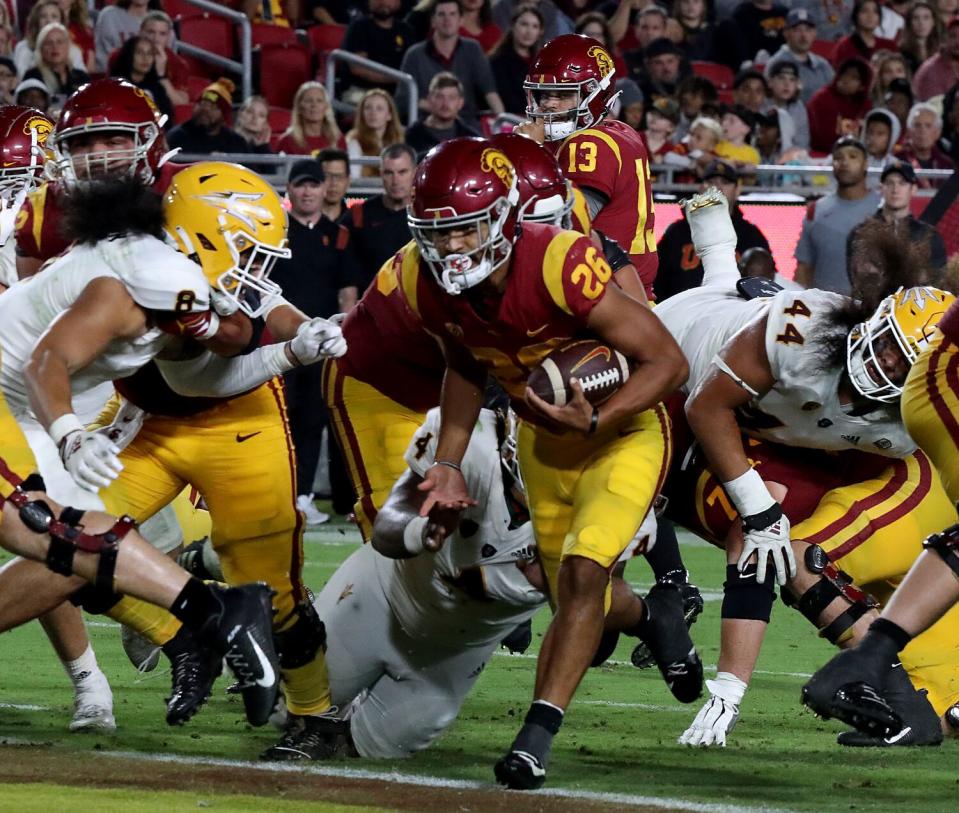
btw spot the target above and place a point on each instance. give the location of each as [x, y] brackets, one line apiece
[619, 736]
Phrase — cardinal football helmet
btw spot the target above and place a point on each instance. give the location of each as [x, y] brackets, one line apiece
[111, 106]
[545, 194]
[906, 321]
[23, 148]
[233, 224]
[464, 184]
[571, 62]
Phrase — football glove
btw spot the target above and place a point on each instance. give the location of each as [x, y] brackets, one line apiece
[767, 536]
[9, 208]
[719, 714]
[316, 339]
[91, 459]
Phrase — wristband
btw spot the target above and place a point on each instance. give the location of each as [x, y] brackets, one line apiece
[413, 535]
[593, 422]
[63, 426]
[749, 494]
[449, 464]
[764, 519]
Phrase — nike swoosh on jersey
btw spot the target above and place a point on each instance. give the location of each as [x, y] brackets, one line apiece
[240, 438]
[269, 676]
[538, 330]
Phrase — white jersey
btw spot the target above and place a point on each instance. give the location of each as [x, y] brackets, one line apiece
[157, 277]
[470, 593]
[802, 408]
[8, 262]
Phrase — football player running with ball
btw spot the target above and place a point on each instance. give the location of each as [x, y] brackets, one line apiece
[501, 301]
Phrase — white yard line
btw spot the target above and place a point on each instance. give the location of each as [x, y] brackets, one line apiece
[23, 707]
[417, 780]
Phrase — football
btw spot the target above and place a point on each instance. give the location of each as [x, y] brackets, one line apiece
[600, 369]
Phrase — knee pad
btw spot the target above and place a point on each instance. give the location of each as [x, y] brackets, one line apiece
[946, 544]
[298, 645]
[94, 600]
[833, 584]
[746, 598]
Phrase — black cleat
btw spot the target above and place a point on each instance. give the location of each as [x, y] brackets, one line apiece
[693, 605]
[242, 633]
[845, 688]
[324, 736]
[518, 641]
[194, 668]
[667, 636]
[920, 723]
[519, 770]
[902, 739]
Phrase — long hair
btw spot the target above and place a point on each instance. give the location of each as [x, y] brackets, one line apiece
[370, 143]
[507, 43]
[249, 135]
[123, 64]
[32, 28]
[79, 15]
[908, 44]
[879, 61]
[111, 208]
[328, 129]
[50, 79]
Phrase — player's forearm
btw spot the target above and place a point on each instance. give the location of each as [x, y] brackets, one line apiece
[628, 279]
[804, 274]
[719, 435]
[213, 376]
[460, 406]
[47, 380]
[233, 335]
[284, 319]
[648, 384]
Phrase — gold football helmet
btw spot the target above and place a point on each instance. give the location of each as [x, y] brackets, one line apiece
[905, 322]
[233, 224]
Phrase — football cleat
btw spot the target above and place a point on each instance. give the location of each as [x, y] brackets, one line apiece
[192, 560]
[667, 636]
[242, 633]
[142, 652]
[921, 724]
[906, 737]
[518, 641]
[194, 670]
[693, 605]
[93, 705]
[313, 515]
[519, 770]
[313, 737]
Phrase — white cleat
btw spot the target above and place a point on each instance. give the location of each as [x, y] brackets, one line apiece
[314, 516]
[710, 223]
[93, 706]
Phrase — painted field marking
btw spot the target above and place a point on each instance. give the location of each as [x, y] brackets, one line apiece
[23, 707]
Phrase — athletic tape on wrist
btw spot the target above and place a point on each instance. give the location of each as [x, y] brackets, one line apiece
[413, 535]
[749, 494]
[63, 426]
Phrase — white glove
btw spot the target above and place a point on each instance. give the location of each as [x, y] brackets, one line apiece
[338, 319]
[9, 209]
[222, 304]
[316, 339]
[91, 459]
[769, 541]
[719, 714]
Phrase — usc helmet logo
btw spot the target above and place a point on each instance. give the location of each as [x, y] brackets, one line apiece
[39, 126]
[495, 161]
[603, 60]
[147, 98]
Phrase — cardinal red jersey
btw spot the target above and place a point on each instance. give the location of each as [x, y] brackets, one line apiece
[39, 221]
[387, 346]
[555, 280]
[611, 159]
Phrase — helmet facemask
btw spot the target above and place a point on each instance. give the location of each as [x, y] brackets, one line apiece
[554, 210]
[562, 124]
[132, 163]
[864, 345]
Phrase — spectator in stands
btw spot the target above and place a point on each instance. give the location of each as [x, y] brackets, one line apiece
[662, 116]
[821, 251]
[758, 263]
[892, 18]
[382, 37]
[756, 25]
[54, 66]
[880, 132]
[253, 123]
[136, 62]
[899, 100]
[898, 185]
[78, 23]
[950, 123]
[511, 57]
[814, 71]
[445, 100]
[863, 42]
[320, 280]
[556, 22]
[446, 50]
[664, 70]
[594, 24]
[336, 168]
[378, 226]
[838, 108]
[157, 27]
[208, 130]
[921, 35]
[947, 10]
[629, 106]
[785, 95]
[33, 93]
[116, 24]
[679, 266]
[377, 125]
[921, 147]
[26, 51]
[941, 71]
[750, 90]
[312, 125]
[693, 30]
[274, 12]
[8, 80]
[7, 42]
[693, 92]
[887, 66]
[477, 24]
[768, 138]
[735, 148]
[650, 26]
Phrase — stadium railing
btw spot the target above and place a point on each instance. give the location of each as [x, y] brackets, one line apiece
[244, 67]
[340, 106]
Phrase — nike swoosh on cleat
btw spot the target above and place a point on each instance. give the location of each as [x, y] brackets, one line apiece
[896, 737]
[532, 762]
[241, 438]
[269, 676]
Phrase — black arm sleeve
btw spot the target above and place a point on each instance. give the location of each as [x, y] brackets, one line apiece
[615, 255]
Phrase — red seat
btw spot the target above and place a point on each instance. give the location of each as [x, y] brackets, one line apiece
[177, 8]
[208, 32]
[720, 75]
[283, 68]
[182, 113]
[195, 85]
[823, 48]
[325, 38]
[279, 119]
[267, 34]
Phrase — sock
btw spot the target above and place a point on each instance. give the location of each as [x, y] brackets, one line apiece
[83, 667]
[664, 558]
[885, 634]
[536, 736]
[153, 623]
[196, 604]
[307, 688]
